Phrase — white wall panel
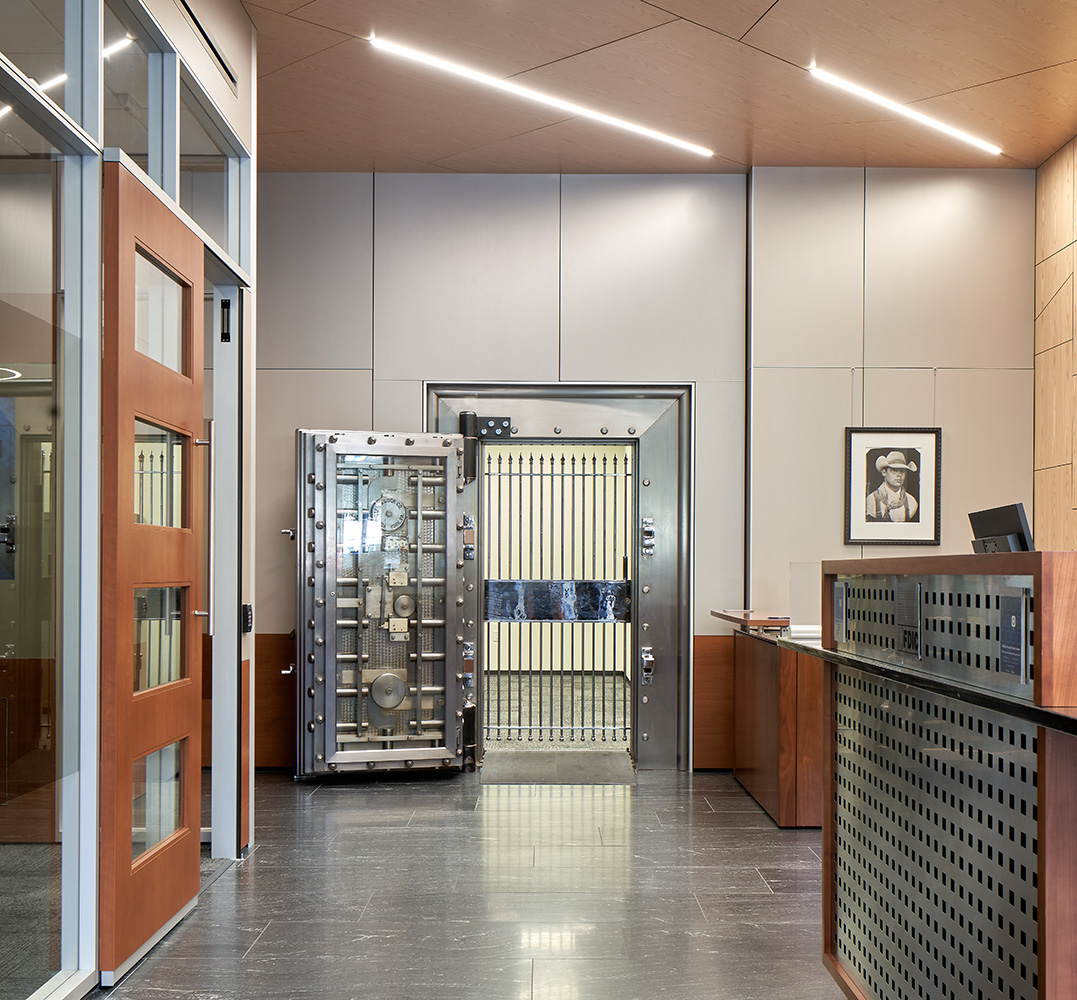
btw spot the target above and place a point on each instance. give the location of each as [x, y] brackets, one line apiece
[798, 473]
[315, 271]
[986, 421]
[465, 277]
[949, 268]
[290, 399]
[652, 277]
[807, 240]
[899, 397]
[398, 405]
[719, 501]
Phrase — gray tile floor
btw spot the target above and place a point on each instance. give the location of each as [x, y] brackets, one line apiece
[443, 888]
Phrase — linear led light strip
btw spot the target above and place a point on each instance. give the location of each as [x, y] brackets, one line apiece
[532, 95]
[901, 109]
[109, 50]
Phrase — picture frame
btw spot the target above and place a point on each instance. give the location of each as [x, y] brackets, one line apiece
[892, 485]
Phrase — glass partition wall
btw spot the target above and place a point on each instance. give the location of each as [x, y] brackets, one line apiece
[78, 80]
[37, 848]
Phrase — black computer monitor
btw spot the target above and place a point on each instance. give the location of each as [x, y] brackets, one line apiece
[1001, 529]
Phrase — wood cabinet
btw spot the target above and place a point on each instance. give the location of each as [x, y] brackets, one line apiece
[778, 741]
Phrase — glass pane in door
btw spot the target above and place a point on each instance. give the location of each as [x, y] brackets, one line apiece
[158, 649]
[158, 476]
[156, 797]
[159, 302]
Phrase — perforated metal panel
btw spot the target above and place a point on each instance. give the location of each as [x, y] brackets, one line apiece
[935, 844]
[971, 628]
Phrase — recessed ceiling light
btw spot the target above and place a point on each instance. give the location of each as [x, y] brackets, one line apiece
[4, 110]
[533, 95]
[901, 109]
[9, 374]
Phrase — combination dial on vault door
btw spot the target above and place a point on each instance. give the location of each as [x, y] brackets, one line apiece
[390, 512]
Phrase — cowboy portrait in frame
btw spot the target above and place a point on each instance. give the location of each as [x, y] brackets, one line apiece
[892, 494]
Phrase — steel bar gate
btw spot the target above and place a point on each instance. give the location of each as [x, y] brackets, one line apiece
[557, 541]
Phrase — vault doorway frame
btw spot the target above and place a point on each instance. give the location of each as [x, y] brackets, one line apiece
[660, 418]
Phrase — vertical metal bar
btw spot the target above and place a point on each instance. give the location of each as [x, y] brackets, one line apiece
[542, 576]
[489, 491]
[419, 600]
[563, 627]
[512, 627]
[605, 576]
[489, 557]
[530, 576]
[500, 575]
[593, 628]
[626, 646]
[614, 680]
[572, 627]
[151, 489]
[141, 488]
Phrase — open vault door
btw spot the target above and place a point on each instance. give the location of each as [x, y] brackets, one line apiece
[386, 626]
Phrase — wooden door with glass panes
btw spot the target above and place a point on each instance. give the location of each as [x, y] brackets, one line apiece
[151, 591]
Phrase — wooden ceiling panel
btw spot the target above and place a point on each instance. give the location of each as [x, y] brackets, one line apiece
[749, 109]
[920, 48]
[495, 36]
[283, 40]
[579, 146]
[1029, 116]
[733, 17]
[1001, 69]
[280, 6]
[378, 106]
[338, 152]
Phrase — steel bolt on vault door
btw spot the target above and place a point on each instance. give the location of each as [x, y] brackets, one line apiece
[386, 602]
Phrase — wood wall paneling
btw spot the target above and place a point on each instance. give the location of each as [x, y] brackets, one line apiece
[713, 720]
[1055, 203]
[1054, 300]
[274, 702]
[1054, 407]
[1052, 522]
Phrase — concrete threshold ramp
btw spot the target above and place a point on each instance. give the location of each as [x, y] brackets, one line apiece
[557, 767]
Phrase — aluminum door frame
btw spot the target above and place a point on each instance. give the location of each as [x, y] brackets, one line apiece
[660, 418]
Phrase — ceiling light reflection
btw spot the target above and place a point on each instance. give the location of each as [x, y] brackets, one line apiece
[54, 82]
[4, 110]
[533, 95]
[111, 50]
[8, 374]
[901, 109]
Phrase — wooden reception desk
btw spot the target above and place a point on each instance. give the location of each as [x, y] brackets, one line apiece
[950, 824]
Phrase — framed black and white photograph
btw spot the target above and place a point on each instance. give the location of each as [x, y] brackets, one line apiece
[892, 485]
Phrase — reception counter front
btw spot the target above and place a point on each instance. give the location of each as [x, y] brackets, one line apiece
[950, 777]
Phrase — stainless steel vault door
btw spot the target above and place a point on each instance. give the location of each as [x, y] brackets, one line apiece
[385, 562]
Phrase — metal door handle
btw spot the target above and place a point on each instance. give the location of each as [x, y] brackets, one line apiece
[208, 442]
[647, 674]
[7, 529]
[290, 532]
[289, 671]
